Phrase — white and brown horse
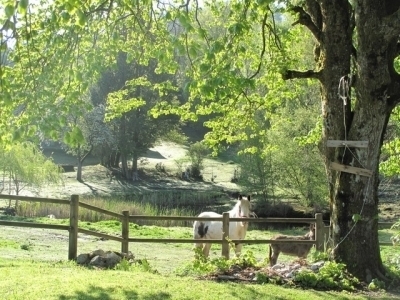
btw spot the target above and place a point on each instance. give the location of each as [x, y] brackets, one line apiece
[205, 230]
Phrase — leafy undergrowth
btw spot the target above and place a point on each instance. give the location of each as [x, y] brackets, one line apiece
[332, 276]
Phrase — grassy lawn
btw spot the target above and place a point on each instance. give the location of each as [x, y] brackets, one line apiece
[33, 265]
[21, 279]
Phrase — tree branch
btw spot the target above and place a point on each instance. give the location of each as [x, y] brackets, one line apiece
[292, 74]
[264, 23]
[305, 19]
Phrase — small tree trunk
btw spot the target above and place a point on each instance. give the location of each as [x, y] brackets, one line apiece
[79, 171]
[125, 169]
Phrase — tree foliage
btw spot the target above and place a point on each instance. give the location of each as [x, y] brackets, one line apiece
[24, 165]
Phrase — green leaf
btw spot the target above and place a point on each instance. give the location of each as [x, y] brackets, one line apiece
[9, 10]
[77, 136]
[23, 6]
[81, 18]
[65, 16]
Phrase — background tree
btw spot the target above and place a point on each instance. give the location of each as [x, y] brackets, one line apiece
[24, 165]
[84, 133]
[129, 93]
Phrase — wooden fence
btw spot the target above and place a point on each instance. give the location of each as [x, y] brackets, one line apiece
[321, 233]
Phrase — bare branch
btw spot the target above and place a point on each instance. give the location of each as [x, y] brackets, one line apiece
[305, 19]
[186, 6]
[292, 74]
[264, 23]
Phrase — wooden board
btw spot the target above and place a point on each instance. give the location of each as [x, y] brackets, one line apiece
[339, 143]
[350, 169]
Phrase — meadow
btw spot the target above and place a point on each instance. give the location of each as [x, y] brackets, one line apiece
[33, 262]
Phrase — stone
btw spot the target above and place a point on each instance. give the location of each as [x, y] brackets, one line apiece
[112, 259]
[101, 259]
[316, 266]
[98, 252]
[277, 267]
[83, 259]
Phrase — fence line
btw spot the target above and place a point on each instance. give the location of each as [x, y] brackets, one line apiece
[321, 232]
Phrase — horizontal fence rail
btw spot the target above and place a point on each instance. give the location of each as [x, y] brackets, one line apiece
[321, 235]
[220, 241]
[100, 210]
[34, 199]
[101, 235]
[34, 225]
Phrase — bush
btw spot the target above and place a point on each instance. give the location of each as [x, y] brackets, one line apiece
[331, 276]
[197, 153]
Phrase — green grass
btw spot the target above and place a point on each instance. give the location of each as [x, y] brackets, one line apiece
[11, 244]
[41, 271]
[64, 280]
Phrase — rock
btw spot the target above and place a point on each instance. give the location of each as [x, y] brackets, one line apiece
[289, 275]
[98, 261]
[296, 266]
[112, 259]
[83, 259]
[277, 267]
[316, 266]
[98, 252]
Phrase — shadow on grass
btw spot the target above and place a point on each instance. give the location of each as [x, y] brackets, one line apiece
[96, 293]
[251, 293]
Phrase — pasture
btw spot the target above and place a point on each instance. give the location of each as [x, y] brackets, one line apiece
[34, 265]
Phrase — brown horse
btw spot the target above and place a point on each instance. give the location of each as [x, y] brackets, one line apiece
[299, 250]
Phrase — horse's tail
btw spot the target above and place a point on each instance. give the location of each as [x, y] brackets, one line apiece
[201, 231]
[270, 253]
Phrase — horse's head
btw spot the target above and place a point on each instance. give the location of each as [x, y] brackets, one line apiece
[244, 208]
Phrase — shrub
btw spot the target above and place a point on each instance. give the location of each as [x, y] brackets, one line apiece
[197, 153]
[331, 276]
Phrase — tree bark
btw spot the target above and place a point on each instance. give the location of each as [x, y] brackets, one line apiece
[81, 159]
[353, 198]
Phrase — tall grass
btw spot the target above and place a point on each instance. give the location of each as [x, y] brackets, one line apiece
[165, 203]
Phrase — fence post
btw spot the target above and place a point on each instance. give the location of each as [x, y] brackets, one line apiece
[73, 227]
[225, 235]
[319, 232]
[125, 231]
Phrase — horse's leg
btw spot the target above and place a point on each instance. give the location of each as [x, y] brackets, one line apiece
[274, 258]
[238, 249]
[206, 249]
[199, 245]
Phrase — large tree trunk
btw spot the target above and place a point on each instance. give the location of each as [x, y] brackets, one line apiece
[355, 195]
[353, 198]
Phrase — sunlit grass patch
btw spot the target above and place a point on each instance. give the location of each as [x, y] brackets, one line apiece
[4, 243]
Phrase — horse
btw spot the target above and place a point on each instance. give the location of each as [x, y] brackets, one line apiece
[299, 250]
[205, 230]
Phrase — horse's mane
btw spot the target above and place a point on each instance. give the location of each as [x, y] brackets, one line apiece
[234, 212]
